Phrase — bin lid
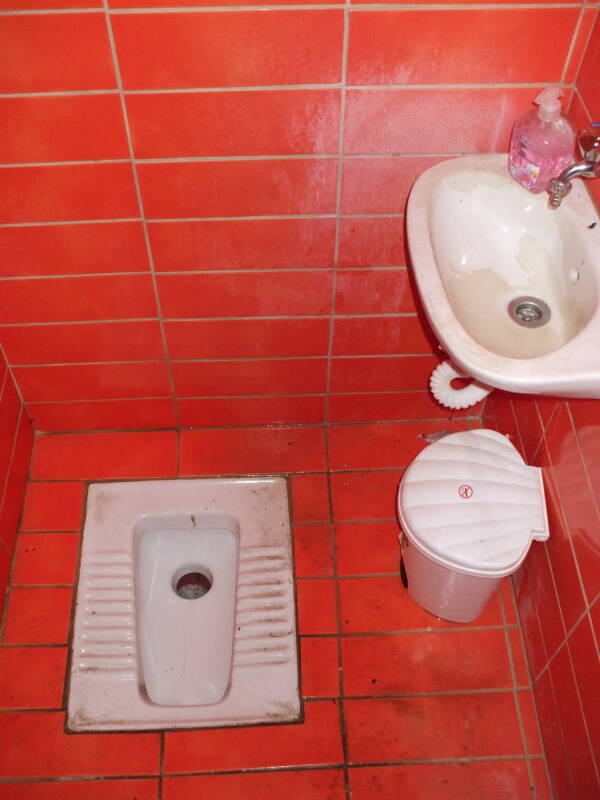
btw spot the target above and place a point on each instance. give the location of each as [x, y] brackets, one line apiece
[471, 503]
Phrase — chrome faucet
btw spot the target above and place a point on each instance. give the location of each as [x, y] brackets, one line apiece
[589, 147]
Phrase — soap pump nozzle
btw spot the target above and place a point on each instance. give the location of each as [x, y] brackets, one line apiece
[549, 103]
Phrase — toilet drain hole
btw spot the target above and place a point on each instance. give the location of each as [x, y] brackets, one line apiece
[192, 585]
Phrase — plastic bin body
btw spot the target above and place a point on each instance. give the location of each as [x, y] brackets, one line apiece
[469, 507]
[442, 591]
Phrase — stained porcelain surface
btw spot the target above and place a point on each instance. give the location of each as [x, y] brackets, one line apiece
[478, 241]
[140, 653]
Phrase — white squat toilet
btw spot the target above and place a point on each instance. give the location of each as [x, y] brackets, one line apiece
[469, 507]
[185, 647]
[185, 606]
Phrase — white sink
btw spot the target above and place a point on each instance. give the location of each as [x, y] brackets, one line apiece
[478, 241]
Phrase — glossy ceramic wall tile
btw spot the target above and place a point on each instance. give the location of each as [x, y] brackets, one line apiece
[588, 107]
[202, 219]
[16, 442]
[587, 80]
[558, 588]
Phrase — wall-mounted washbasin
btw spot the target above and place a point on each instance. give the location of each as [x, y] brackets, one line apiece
[510, 287]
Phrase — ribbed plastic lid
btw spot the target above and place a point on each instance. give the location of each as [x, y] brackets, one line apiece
[470, 502]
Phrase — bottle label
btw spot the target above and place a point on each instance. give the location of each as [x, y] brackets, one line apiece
[525, 142]
[524, 172]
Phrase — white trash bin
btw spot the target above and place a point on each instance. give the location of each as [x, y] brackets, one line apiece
[469, 507]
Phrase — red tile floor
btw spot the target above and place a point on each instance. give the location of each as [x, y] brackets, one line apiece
[397, 702]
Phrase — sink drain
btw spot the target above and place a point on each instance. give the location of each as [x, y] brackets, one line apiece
[530, 312]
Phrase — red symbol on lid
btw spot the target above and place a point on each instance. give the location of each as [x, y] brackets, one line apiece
[465, 491]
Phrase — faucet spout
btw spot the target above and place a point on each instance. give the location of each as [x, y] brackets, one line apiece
[588, 167]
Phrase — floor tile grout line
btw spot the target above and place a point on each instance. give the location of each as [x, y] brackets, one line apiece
[161, 765]
[269, 770]
[157, 430]
[19, 585]
[293, 426]
[351, 576]
[395, 633]
[108, 779]
[338, 613]
[465, 760]
[28, 710]
[100, 477]
[297, 523]
[367, 698]
[68, 531]
[219, 427]
[306, 699]
[140, 202]
[307, 635]
[78, 778]
[33, 645]
[178, 449]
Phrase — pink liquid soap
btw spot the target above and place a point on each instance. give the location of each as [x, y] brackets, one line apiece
[541, 144]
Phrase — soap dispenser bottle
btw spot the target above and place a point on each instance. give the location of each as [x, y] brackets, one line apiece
[542, 143]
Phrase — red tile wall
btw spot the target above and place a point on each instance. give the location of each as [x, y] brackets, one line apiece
[559, 586]
[16, 444]
[588, 85]
[202, 216]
